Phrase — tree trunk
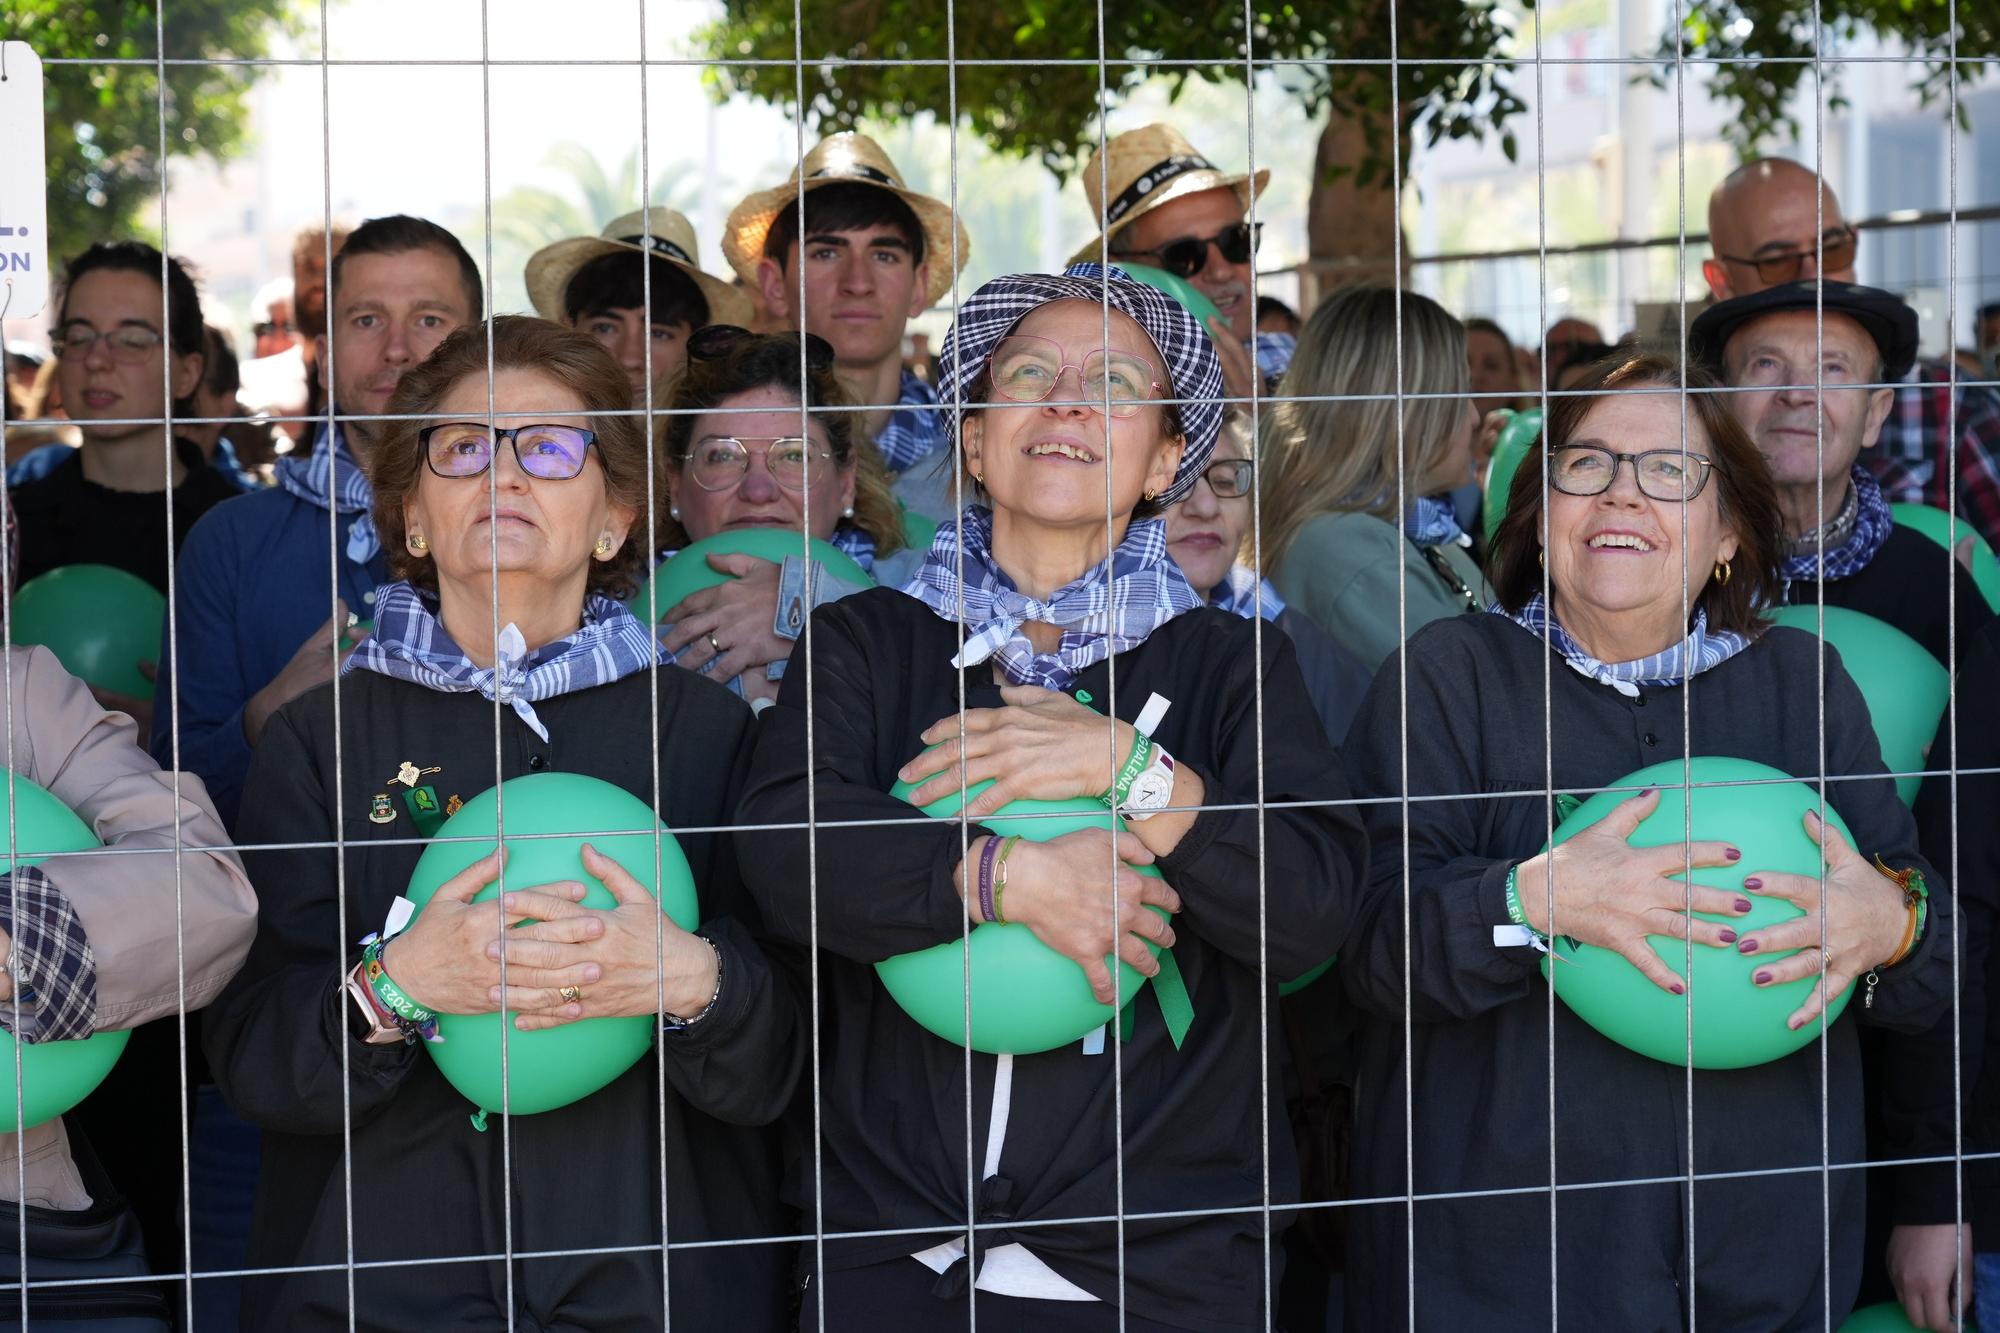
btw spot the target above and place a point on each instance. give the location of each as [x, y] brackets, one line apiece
[1350, 225]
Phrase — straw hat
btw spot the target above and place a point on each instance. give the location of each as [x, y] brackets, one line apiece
[846, 157]
[1145, 168]
[655, 231]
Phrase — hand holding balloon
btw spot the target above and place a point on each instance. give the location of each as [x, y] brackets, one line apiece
[738, 612]
[443, 960]
[1613, 895]
[1043, 746]
[621, 944]
[1058, 890]
[1864, 913]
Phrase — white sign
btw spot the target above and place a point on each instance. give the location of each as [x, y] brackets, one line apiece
[24, 205]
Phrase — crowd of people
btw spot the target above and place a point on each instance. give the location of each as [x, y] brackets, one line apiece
[1228, 576]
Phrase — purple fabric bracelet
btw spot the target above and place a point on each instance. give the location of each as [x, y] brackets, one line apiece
[987, 856]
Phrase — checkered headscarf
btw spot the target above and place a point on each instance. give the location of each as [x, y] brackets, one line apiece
[1193, 372]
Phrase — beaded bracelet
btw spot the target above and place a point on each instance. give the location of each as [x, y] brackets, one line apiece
[414, 1020]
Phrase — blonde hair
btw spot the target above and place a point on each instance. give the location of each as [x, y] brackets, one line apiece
[1340, 456]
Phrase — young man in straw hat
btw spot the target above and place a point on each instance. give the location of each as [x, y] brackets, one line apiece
[1166, 206]
[597, 285]
[871, 255]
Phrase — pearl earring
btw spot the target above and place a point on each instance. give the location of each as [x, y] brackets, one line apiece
[847, 512]
[674, 512]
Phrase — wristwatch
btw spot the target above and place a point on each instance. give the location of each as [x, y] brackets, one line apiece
[1153, 790]
[373, 1027]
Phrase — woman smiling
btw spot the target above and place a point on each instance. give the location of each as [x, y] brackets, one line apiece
[1089, 407]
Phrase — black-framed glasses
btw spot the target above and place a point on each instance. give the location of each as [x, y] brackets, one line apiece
[1026, 369]
[1662, 474]
[713, 342]
[130, 342]
[1186, 256]
[465, 448]
[1230, 478]
[718, 462]
[1836, 251]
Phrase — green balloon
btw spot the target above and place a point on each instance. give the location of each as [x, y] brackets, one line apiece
[1888, 1317]
[1307, 978]
[1026, 997]
[1947, 532]
[1180, 289]
[689, 571]
[57, 1074]
[556, 1066]
[1905, 687]
[1736, 1023]
[100, 623]
[1516, 437]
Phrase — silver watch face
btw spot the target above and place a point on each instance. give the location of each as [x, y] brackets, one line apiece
[1151, 790]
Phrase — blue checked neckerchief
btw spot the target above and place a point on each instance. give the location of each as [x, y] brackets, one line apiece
[306, 478]
[1238, 594]
[1872, 522]
[1274, 356]
[410, 643]
[856, 545]
[1432, 522]
[1693, 655]
[915, 432]
[1099, 617]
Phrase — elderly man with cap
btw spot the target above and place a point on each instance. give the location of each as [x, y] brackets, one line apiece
[1803, 353]
[641, 309]
[1772, 221]
[1164, 205]
[868, 255]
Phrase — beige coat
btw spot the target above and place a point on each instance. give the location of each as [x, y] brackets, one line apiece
[92, 762]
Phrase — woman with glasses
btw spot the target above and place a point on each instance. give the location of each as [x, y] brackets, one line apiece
[1629, 600]
[741, 455]
[1208, 535]
[1049, 628]
[512, 542]
[1362, 447]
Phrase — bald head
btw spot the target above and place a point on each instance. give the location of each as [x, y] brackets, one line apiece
[1769, 209]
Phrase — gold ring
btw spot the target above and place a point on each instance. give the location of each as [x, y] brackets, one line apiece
[1825, 959]
[713, 644]
[570, 994]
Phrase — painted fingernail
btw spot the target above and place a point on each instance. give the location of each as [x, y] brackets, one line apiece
[1680, 989]
[1762, 978]
[1753, 883]
[1729, 937]
[1732, 853]
[1742, 904]
[1748, 946]
[1813, 815]
[1647, 792]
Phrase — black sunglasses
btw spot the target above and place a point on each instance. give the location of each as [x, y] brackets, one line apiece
[1189, 255]
[713, 342]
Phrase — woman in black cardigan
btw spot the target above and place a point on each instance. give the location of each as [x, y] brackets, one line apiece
[363, 1137]
[1056, 603]
[1460, 1022]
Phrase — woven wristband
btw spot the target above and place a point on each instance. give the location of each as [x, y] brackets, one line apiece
[987, 854]
[1515, 913]
[388, 992]
[1135, 764]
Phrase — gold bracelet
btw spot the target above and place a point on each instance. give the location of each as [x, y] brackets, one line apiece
[1000, 878]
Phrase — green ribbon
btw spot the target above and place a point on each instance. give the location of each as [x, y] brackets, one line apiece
[1170, 988]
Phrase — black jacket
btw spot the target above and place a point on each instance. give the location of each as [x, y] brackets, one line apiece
[894, 1116]
[426, 1182]
[1491, 1053]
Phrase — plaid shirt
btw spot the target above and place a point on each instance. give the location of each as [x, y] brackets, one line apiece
[54, 971]
[1915, 462]
[1242, 593]
[1099, 616]
[914, 433]
[410, 643]
[1672, 665]
[1274, 356]
[351, 493]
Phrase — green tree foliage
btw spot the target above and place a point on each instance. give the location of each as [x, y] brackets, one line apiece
[104, 120]
[1044, 99]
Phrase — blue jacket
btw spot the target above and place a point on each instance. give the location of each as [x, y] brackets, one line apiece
[256, 578]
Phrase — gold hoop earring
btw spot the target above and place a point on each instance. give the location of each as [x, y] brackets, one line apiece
[1723, 573]
[417, 544]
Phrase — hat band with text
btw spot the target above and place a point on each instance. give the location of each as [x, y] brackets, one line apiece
[1152, 179]
[661, 244]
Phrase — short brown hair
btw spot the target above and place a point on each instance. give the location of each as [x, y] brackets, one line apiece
[520, 342]
[771, 361]
[1746, 496]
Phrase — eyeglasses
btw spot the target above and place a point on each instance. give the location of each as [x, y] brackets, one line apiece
[718, 462]
[1230, 478]
[1663, 474]
[1188, 255]
[267, 328]
[465, 448]
[1026, 369]
[1836, 252]
[129, 343]
[713, 342]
